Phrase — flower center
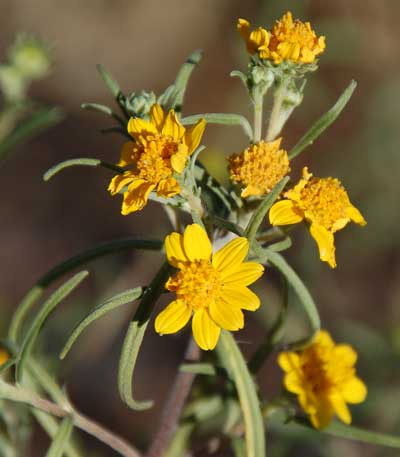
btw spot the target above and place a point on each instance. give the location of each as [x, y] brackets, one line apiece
[325, 200]
[198, 283]
[154, 154]
[260, 167]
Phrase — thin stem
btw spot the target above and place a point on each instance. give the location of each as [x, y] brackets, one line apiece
[258, 112]
[175, 404]
[274, 126]
[13, 393]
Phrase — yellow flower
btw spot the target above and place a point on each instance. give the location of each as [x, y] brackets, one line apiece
[4, 356]
[256, 41]
[295, 41]
[160, 148]
[260, 167]
[324, 379]
[324, 204]
[212, 287]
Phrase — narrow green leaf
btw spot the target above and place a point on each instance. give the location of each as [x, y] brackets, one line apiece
[37, 323]
[60, 441]
[99, 311]
[68, 265]
[258, 216]
[134, 338]
[109, 80]
[182, 79]
[103, 109]
[323, 122]
[231, 358]
[199, 368]
[87, 162]
[354, 433]
[221, 118]
[31, 126]
[279, 262]
[280, 246]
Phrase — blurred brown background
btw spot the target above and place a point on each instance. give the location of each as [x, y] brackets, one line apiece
[143, 43]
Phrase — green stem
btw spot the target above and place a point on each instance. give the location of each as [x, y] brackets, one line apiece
[258, 112]
[275, 124]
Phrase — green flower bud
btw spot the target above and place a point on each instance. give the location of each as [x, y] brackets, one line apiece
[30, 57]
[139, 104]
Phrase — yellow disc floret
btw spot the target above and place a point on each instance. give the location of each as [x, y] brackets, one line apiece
[259, 168]
[211, 287]
[160, 149]
[324, 204]
[324, 379]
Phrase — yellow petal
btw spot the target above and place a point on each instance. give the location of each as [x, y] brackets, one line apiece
[175, 316]
[135, 198]
[172, 127]
[326, 244]
[346, 354]
[354, 390]
[168, 187]
[285, 212]
[157, 116]
[119, 182]
[179, 159]
[244, 275]
[243, 27]
[241, 297]
[324, 339]
[174, 249]
[289, 361]
[228, 259]
[196, 243]
[193, 135]
[323, 415]
[205, 331]
[226, 316]
[293, 382]
[128, 155]
[137, 127]
[340, 407]
[354, 214]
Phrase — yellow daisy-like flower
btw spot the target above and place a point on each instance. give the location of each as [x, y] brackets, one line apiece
[324, 204]
[256, 41]
[295, 41]
[211, 287]
[260, 167]
[160, 148]
[324, 379]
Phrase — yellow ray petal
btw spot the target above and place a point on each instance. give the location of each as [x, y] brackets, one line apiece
[285, 212]
[137, 127]
[174, 317]
[231, 255]
[119, 182]
[326, 244]
[323, 415]
[172, 127]
[243, 27]
[340, 407]
[289, 361]
[193, 135]
[293, 382]
[168, 187]
[354, 391]
[135, 198]
[226, 316]
[241, 297]
[127, 154]
[196, 243]
[205, 331]
[323, 338]
[244, 275]
[354, 214]
[157, 116]
[179, 159]
[174, 249]
[346, 354]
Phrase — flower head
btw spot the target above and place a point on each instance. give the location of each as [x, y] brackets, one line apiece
[160, 148]
[260, 167]
[324, 204]
[211, 287]
[324, 379]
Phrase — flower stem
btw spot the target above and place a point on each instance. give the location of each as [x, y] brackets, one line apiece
[175, 404]
[258, 112]
[275, 122]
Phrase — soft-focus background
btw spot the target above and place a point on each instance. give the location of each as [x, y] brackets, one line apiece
[143, 43]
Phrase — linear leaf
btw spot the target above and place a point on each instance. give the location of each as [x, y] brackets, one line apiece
[59, 270]
[82, 161]
[231, 358]
[199, 368]
[47, 308]
[61, 438]
[258, 216]
[223, 119]
[99, 311]
[323, 122]
[134, 338]
[103, 109]
[354, 433]
[111, 83]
